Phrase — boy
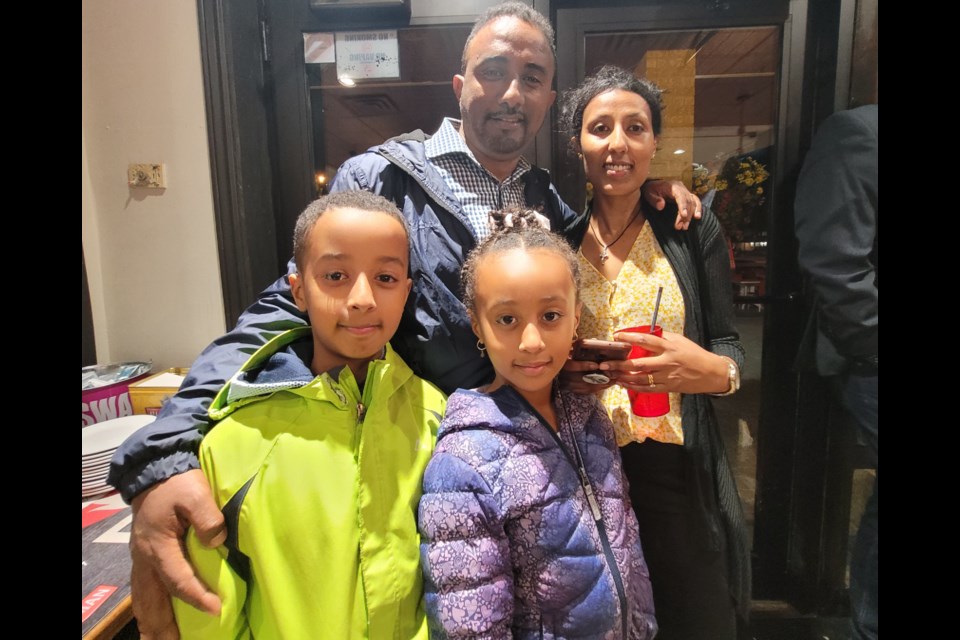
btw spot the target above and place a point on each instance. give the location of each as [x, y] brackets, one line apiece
[318, 460]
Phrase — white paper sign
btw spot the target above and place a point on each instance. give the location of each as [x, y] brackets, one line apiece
[318, 47]
[368, 54]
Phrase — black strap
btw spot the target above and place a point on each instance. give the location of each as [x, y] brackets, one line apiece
[237, 560]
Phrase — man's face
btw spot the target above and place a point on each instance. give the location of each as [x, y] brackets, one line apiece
[505, 92]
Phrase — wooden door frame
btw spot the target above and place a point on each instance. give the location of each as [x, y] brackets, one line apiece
[262, 169]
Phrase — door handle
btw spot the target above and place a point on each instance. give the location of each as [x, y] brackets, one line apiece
[792, 297]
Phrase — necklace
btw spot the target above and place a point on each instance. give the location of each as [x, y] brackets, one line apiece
[604, 253]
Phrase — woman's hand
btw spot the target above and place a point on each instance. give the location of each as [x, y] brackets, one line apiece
[658, 192]
[571, 376]
[677, 365]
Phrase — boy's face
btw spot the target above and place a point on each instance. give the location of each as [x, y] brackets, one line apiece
[353, 285]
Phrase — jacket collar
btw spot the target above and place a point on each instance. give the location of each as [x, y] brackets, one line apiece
[282, 364]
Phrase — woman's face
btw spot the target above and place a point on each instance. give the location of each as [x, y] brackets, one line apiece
[617, 142]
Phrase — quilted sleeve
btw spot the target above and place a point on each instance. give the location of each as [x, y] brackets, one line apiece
[464, 550]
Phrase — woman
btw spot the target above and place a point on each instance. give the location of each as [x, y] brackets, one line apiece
[681, 486]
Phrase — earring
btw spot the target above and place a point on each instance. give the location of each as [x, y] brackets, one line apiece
[482, 348]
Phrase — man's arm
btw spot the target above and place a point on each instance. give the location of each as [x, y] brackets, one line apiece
[168, 446]
[836, 212]
[157, 470]
[658, 193]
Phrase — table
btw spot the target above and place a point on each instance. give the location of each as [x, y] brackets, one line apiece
[105, 595]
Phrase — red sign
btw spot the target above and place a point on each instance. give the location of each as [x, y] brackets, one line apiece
[92, 601]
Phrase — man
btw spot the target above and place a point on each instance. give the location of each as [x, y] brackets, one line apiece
[837, 224]
[444, 185]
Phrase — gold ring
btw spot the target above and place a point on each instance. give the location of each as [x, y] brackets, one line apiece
[650, 381]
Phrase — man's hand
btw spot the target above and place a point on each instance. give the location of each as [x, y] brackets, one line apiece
[658, 192]
[161, 516]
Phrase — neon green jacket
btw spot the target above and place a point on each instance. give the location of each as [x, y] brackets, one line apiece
[320, 487]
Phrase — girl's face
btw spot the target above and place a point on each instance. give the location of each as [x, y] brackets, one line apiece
[526, 311]
[617, 142]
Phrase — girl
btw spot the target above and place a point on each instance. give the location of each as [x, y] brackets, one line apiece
[525, 520]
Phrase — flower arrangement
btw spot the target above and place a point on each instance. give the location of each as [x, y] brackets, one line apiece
[738, 194]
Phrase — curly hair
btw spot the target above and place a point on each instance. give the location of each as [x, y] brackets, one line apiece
[609, 78]
[362, 200]
[516, 228]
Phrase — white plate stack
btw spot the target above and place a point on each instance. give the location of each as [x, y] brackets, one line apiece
[100, 440]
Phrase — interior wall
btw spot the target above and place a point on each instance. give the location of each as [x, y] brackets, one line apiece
[151, 254]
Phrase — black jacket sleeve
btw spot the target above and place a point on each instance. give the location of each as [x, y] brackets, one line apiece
[169, 445]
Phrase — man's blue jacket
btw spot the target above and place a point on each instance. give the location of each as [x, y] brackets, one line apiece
[434, 337]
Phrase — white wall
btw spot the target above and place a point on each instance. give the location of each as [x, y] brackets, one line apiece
[151, 255]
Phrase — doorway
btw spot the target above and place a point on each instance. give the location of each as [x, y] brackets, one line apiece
[719, 137]
[750, 78]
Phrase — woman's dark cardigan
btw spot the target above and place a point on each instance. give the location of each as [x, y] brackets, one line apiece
[707, 297]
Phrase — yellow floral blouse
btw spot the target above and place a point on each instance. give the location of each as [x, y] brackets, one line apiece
[627, 302]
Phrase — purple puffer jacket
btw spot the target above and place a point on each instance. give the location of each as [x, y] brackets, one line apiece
[509, 545]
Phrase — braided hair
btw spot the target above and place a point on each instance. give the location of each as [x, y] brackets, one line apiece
[514, 228]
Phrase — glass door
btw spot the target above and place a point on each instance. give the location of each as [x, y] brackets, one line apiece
[719, 123]
[724, 135]
[349, 115]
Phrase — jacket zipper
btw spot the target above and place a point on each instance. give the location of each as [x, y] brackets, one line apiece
[595, 512]
[372, 370]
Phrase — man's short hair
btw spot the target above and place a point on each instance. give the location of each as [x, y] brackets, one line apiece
[517, 10]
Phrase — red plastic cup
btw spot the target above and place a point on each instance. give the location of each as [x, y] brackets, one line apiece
[647, 405]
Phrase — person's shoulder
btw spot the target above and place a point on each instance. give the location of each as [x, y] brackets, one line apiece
[424, 395]
[408, 388]
[474, 415]
[466, 407]
[868, 113]
[860, 121]
[234, 451]
[406, 145]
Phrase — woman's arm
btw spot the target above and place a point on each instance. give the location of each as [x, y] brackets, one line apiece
[464, 550]
[679, 364]
[718, 294]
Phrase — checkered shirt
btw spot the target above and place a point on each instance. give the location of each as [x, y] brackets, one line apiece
[478, 191]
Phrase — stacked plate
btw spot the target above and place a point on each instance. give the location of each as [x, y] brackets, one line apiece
[100, 440]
